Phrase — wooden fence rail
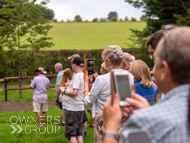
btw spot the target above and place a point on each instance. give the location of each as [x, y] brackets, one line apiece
[6, 79]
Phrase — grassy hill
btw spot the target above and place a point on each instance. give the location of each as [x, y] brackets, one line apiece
[92, 35]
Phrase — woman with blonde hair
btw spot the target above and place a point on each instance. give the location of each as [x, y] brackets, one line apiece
[101, 89]
[143, 80]
[103, 69]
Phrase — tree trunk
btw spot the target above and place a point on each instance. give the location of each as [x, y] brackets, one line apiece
[19, 61]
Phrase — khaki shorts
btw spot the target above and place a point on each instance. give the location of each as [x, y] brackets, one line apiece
[39, 107]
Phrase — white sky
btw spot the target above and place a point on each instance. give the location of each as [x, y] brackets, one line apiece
[89, 9]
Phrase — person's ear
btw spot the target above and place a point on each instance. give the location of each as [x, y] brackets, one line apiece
[108, 62]
[165, 71]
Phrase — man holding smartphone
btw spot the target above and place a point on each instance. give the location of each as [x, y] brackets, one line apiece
[169, 119]
[73, 103]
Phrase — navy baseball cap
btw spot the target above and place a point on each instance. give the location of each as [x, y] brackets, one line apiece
[79, 61]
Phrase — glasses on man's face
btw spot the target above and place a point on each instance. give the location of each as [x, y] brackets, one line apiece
[151, 55]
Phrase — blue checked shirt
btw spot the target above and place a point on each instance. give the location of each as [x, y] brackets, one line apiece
[165, 122]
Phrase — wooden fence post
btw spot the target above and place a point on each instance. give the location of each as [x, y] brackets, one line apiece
[5, 90]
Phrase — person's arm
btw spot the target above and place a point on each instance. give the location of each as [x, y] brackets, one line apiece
[91, 97]
[157, 97]
[73, 92]
[48, 83]
[157, 92]
[112, 117]
[33, 83]
[86, 85]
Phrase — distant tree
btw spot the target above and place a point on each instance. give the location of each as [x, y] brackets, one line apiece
[126, 18]
[103, 19]
[133, 19]
[95, 20]
[120, 19]
[68, 20]
[143, 18]
[78, 18]
[86, 20]
[55, 20]
[47, 13]
[114, 19]
[62, 21]
[22, 26]
[112, 14]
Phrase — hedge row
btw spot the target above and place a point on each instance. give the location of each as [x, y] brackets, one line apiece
[31, 60]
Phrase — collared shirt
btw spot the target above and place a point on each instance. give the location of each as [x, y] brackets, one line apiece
[101, 92]
[40, 84]
[166, 121]
[59, 76]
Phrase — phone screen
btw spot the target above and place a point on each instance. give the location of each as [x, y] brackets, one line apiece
[123, 86]
[90, 67]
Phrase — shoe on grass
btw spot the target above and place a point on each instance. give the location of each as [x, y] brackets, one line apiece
[61, 124]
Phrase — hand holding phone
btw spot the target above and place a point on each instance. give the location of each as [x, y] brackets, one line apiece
[89, 66]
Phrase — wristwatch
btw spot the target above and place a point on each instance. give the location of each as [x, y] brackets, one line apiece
[110, 134]
[64, 91]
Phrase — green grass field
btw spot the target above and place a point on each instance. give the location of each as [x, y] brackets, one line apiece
[30, 134]
[91, 35]
[13, 95]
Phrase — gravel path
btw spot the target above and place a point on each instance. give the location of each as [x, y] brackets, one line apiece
[19, 106]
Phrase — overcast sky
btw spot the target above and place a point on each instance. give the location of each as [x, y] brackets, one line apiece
[89, 9]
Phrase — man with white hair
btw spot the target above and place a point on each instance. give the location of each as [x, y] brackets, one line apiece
[125, 65]
[73, 103]
[59, 71]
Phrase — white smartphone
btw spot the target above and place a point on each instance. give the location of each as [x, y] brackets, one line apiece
[122, 86]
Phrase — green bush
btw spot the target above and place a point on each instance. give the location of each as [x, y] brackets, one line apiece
[95, 20]
[133, 19]
[114, 19]
[55, 20]
[32, 60]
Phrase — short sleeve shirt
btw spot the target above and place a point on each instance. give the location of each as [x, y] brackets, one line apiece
[148, 93]
[73, 103]
[59, 76]
[40, 84]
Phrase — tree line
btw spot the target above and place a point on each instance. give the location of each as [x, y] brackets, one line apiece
[112, 17]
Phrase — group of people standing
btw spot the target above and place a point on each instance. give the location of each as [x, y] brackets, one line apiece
[109, 126]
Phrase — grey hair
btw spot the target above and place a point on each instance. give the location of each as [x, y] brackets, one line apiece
[59, 66]
[128, 59]
[174, 48]
[114, 53]
[133, 57]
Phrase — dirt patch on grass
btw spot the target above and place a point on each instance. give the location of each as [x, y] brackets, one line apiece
[19, 106]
